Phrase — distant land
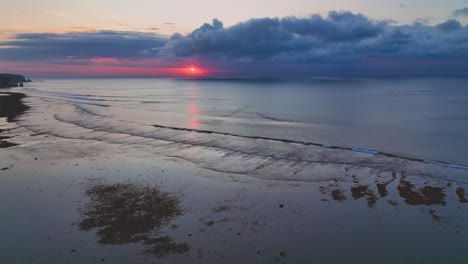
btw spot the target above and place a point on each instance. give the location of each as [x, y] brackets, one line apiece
[8, 80]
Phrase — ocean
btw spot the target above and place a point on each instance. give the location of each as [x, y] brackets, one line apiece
[422, 118]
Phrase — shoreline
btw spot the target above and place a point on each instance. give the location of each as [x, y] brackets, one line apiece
[324, 145]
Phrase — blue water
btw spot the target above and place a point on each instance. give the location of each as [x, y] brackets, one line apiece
[418, 118]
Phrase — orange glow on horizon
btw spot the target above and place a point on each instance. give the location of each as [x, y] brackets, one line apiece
[193, 71]
[108, 67]
[104, 60]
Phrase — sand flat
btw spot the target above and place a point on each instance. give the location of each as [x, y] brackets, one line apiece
[82, 189]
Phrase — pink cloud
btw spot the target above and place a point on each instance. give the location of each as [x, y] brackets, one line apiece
[102, 60]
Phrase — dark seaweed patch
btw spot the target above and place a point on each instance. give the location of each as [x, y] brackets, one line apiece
[11, 106]
[338, 195]
[6, 144]
[381, 188]
[363, 191]
[426, 196]
[129, 213]
[434, 215]
[461, 195]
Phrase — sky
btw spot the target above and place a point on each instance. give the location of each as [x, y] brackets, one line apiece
[242, 38]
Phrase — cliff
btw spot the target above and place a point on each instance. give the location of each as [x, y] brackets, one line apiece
[11, 80]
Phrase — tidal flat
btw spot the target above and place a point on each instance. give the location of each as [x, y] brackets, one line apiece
[79, 185]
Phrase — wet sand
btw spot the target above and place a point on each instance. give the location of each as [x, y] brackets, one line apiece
[72, 200]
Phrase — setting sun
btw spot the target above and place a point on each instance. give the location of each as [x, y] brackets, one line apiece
[193, 71]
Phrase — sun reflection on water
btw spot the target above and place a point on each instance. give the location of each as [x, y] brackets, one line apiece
[193, 110]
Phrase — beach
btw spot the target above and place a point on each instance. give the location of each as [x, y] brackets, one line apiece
[97, 176]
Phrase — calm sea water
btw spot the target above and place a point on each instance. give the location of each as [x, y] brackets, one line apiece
[420, 118]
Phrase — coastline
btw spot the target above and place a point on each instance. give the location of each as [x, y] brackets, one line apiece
[8, 80]
[202, 212]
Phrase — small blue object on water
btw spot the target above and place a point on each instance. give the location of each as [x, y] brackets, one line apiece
[447, 164]
[368, 151]
[326, 145]
[458, 166]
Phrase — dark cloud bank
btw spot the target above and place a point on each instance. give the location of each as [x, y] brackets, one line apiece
[461, 12]
[342, 43]
[79, 45]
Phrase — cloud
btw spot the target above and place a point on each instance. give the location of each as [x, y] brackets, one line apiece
[80, 45]
[341, 36]
[269, 37]
[339, 44]
[421, 21]
[449, 25]
[338, 27]
[461, 12]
